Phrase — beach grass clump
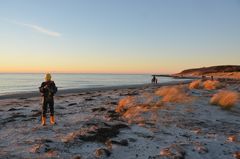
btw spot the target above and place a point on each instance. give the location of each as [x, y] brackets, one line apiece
[211, 85]
[135, 114]
[216, 98]
[225, 99]
[173, 94]
[124, 104]
[195, 84]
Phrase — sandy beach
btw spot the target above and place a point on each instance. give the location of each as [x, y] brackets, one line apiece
[120, 79]
[91, 124]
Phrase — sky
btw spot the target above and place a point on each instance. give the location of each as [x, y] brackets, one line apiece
[118, 36]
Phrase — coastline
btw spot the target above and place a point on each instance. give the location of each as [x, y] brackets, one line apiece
[32, 94]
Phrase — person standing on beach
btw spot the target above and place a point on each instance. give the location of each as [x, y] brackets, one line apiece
[154, 79]
[48, 89]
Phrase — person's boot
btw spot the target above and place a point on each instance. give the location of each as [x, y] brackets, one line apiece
[52, 119]
[43, 121]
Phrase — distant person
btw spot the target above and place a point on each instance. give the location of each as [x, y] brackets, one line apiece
[154, 80]
[48, 89]
[203, 78]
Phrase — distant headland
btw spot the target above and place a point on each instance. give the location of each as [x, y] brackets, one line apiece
[223, 71]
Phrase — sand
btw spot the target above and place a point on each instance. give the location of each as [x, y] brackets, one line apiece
[88, 126]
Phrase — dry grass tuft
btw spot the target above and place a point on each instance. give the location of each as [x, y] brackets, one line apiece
[232, 138]
[124, 103]
[216, 98]
[173, 94]
[195, 84]
[139, 109]
[135, 114]
[237, 155]
[225, 99]
[211, 85]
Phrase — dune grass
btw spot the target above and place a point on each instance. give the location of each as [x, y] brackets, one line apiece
[173, 94]
[195, 84]
[124, 103]
[225, 99]
[211, 85]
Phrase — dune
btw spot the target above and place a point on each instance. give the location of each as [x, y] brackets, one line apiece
[222, 72]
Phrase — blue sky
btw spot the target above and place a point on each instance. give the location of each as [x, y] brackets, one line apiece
[124, 36]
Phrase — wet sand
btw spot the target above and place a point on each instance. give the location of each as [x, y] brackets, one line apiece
[89, 127]
[32, 94]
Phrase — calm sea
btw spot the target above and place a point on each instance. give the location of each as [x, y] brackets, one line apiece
[16, 83]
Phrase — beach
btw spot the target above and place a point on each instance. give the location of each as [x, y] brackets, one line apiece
[120, 79]
[121, 122]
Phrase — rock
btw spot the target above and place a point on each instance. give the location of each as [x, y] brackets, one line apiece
[12, 109]
[37, 114]
[113, 115]
[197, 130]
[22, 98]
[7, 120]
[201, 149]
[34, 110]
[18, 115]
[41, 148]
[72, 104]
[103, 133]
[96, 95]
[59, 107]
[121, 142]
[95, 131]
[88, 99]
[35, 148]
[101, 152]
[77, 157]
[186, 135]
[99, 109]
[108, 143]
[47, 140]
[100, 135]
[134, 93]
[132, 139]
[129, 94]
[174, 151]
[113, 103]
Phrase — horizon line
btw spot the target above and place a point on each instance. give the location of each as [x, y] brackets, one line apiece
[79, 73]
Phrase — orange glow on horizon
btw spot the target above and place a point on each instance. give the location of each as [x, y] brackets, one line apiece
[36, 63]
[84, 70]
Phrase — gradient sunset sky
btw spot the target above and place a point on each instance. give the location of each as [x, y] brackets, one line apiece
[118, 36]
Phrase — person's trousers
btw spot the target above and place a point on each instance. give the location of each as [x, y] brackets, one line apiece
[45, 104]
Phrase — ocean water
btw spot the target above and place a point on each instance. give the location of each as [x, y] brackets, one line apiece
[17, 83]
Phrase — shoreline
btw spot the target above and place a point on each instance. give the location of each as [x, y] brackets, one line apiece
[32, 94]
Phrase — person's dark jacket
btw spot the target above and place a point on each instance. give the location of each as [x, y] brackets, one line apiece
[48, 89]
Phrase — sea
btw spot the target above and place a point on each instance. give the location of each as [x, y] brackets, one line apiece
[20, 82]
